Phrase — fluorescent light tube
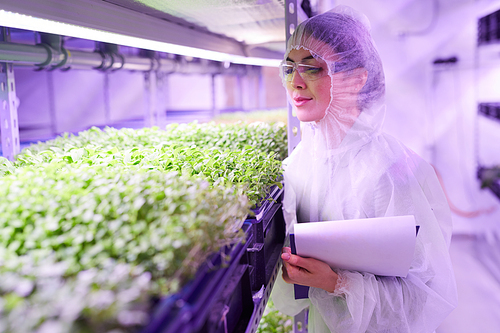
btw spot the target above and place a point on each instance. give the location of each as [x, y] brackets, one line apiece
[26, 22]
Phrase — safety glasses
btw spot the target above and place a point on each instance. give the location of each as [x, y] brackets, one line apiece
[306, 72]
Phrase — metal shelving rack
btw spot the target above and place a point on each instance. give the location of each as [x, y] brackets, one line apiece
[113, 23]
[488, 45]
[9, 127]
[240, 292]
[126, 18]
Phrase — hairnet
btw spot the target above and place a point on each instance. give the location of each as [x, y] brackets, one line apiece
[342, 39]
[345, 168]
[345, 44]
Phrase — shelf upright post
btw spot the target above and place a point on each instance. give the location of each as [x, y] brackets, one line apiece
[215, 110]
[162, 98]
[293, 123]
[293, 128]
[261, 90]
[239, 92]
[9, 126]
[151, 114]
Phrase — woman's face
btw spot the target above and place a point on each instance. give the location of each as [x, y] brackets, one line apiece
[310, 98]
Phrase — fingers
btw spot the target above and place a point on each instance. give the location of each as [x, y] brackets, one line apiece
[294, 267]
[307, 271]
[289, 273]
[284, 274]
[295, 260]
[287, 267]
[294, 274]
[286, 255]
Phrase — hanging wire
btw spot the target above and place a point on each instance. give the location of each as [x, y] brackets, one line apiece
[458, 211]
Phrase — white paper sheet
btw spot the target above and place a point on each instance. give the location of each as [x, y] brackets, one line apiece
[382, 246]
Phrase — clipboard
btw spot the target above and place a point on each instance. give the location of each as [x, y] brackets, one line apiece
[381, 246]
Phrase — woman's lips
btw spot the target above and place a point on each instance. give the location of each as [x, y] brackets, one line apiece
[299, 101]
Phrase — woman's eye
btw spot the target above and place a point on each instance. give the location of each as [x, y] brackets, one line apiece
[288, 70]
[313, 70]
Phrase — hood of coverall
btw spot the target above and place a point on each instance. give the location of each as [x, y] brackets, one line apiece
[341, 38]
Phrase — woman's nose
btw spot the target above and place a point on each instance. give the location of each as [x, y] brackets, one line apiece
[297, 81]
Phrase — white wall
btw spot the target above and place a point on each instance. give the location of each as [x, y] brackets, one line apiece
[54, 102]
[51, 103]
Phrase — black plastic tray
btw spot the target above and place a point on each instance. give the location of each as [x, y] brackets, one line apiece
[237, 307]
[275, 195]
[175, 313]
[265, 244]
[261, 298]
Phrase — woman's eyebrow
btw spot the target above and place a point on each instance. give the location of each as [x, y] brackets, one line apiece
[306, 58]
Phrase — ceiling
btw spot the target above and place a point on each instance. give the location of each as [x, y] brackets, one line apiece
[255, 23]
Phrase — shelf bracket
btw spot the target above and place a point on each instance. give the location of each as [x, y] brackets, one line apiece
[9, 126]
[293, 123]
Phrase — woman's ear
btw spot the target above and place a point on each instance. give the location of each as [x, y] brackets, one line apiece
[360, 76]
[355, 79]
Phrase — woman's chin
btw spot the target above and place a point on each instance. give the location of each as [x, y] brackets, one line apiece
[308, 117]
[306, 120]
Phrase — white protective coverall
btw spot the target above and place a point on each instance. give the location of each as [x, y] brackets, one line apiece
[343, 171]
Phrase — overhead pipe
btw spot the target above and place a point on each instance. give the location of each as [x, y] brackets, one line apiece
[23, 54]
[51, 55]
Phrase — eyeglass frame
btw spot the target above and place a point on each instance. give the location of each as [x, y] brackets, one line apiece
[295, 66]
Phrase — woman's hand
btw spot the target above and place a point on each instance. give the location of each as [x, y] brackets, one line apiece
[307, 271]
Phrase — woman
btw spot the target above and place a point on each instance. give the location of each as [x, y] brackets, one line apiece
[346, 168]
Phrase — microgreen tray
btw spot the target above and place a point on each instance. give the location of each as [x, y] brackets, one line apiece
[275, 195]
[187, 310]
[261, 297]
[265, 244]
